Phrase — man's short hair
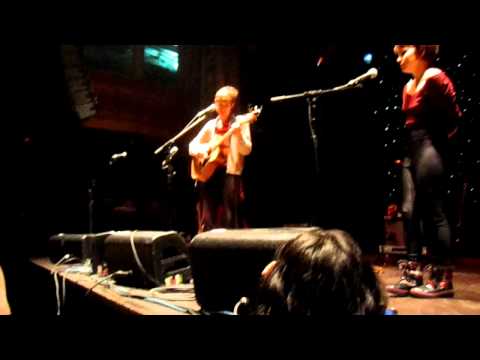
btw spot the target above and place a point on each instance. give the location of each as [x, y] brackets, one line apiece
[227, 92]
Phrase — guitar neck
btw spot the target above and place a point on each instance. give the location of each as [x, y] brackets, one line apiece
[230, 131]
[222, 138]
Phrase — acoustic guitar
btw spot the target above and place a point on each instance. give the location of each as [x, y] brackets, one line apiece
[202, 170]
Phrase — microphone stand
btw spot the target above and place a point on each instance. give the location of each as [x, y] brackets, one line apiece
[91, 203]
[169, 169]
[91, 195]
[311, 97]
[167, 163]
[193, 123]
[92, 184]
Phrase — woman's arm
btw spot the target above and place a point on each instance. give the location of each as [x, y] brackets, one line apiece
[4, 306]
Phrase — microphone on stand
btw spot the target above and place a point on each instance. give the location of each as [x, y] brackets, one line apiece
[207, 110]
[170, 156]
[369, 75]
[119, 155]
[115, 157]
[196, 120]
[173, 150]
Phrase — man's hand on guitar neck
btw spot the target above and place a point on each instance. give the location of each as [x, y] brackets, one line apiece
[248, 117]
[235, 126]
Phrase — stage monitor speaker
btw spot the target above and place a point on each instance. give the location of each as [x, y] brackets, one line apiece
[62, 244]
[82, 246]
[150, 255]
[227, 264]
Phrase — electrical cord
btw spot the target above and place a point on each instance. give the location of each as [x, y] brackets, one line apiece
[65, 257]
[164, 303]
[61, 300]
[137, 259]
[72, 269]
[57, 293]
[241, 302]
[64, 291]
[185, 296]
[182, 292]
[181, 288]
[64, 260]
[119, 272]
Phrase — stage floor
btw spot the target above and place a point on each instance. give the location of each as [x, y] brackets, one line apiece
[466, 280]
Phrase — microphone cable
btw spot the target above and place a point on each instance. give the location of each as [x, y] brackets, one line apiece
[137, 259]
[61, 300]
[118, 272]
[242, 302]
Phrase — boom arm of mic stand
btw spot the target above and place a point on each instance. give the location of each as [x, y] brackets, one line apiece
[315, 92]
[181, 133]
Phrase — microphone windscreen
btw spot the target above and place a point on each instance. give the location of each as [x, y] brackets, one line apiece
[373, 72]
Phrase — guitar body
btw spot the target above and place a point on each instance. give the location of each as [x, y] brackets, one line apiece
[203, 170]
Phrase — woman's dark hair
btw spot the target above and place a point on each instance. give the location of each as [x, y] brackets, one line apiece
[428, 52]
[321, 272]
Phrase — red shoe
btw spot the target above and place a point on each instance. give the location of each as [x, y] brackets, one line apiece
[411, 277]
[437, 283]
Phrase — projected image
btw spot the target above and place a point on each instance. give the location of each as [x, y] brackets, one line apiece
[156, 62]
[163, 56]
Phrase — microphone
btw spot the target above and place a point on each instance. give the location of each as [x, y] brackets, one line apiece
[320, 61]
[120, 155]
[170, 156]
[123, 272]
[207, 110]
[369, 75]
[173, 150]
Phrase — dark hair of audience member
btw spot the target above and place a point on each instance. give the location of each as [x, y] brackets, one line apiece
[320, 273]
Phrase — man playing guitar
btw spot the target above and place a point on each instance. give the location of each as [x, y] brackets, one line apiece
[218, 153]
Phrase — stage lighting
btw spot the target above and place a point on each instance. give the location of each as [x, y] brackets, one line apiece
[368, 58]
